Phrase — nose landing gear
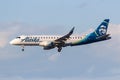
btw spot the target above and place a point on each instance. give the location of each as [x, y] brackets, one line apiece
[23, 48]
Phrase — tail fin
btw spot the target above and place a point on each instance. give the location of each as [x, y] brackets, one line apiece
[102, 28]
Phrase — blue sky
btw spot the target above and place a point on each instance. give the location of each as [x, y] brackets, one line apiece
[99, 61]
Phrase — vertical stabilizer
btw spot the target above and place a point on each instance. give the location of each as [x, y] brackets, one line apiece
[102, 28]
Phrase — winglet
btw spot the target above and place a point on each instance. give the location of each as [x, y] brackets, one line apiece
[71, 31]
[64, 38]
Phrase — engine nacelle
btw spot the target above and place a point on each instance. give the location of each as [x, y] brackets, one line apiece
[47, 45]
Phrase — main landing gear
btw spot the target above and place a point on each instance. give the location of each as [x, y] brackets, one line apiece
[59, 49]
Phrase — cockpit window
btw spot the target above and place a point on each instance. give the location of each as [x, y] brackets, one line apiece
[17, 37]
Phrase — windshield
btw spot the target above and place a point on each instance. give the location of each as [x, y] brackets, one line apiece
[17, 37]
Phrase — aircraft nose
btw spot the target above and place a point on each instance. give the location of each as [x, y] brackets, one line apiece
[14, 42]
[11, 42]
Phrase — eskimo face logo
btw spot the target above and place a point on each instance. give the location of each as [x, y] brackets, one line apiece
[102, 30]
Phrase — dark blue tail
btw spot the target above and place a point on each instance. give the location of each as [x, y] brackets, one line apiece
[98, 35]
[102, 28]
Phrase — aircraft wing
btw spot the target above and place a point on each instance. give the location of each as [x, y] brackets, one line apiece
[67, 36]
[60, 42]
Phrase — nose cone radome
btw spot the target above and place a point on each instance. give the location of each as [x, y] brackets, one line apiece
[15, 42]
[12, 42]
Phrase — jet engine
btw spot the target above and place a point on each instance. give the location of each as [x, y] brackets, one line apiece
[47, 45]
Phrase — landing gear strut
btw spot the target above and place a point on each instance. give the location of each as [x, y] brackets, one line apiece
[23, 48]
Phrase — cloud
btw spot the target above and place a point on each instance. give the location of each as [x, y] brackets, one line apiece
[13, 29]
[70, 78]
[111, 46]
[6, 33]
[8, 55]
[91, 69]
[11, 78]
[7, 30]
[115, 71]
[83, 5]
[54, 57]
[114, 29]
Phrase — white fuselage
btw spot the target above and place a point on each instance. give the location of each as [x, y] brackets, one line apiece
[51, 41]
[36, 40]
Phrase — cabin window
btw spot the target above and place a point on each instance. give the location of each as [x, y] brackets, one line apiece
[73, 37]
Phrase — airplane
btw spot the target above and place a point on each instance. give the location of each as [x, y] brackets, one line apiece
[54, 41]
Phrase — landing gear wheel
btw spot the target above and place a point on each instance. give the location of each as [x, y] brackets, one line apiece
[23, 49]
[59, 49]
